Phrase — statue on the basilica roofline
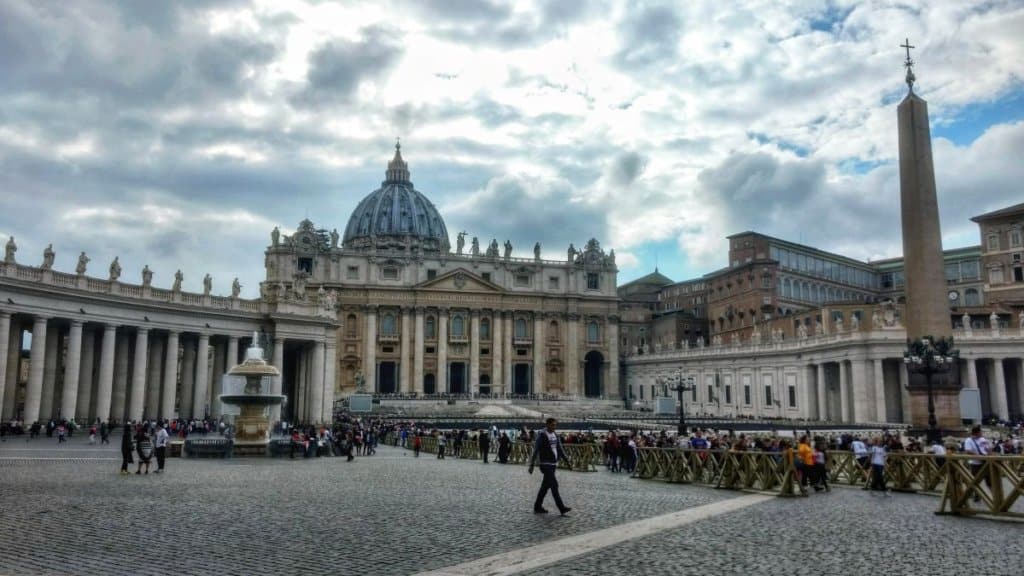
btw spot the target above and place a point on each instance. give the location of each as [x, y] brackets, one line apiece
[508, 249]
[334, 238]
[493, 250]
[9, 251]
[83, 262]
[572, 253]
[207, 284]
[115, 270]
[460, 242]
[147, 275]
[536, 251]
[275, 236]
[236, 288]
[178, 277]
[48, 256]
[611, 256]
[475, 249]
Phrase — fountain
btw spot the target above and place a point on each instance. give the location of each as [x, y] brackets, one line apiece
[252, 426]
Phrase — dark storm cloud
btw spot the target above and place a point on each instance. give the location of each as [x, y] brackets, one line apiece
[337, 68]
[497, 24]
[649, 36]
[626, 168]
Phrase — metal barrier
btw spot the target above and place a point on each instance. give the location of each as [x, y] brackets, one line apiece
[208, 447]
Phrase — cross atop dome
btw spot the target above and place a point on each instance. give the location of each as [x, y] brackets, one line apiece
[398, 170]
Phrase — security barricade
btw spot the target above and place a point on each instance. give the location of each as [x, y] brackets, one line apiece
[983, 485]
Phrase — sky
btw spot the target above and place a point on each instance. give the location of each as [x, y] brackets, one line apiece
[178, 134]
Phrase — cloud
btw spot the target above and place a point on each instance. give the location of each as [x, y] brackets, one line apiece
[336, 69]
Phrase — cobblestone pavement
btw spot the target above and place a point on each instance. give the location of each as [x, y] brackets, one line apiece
[66, 510]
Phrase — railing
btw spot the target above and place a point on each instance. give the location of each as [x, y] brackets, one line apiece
[991, 487]
[758, 471]
[65, 279]
[582, 457]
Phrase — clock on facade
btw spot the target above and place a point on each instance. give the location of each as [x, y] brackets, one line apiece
[954, 295]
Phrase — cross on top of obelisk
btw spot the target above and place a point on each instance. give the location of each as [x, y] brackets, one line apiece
[909, 64]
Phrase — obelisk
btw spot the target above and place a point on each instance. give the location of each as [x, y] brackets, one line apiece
[927, 312]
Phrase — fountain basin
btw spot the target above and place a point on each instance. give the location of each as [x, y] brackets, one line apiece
[253, 399]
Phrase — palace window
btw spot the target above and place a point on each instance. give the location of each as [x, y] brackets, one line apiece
[387, 325]
[389, 273]
[995, 275]
[1015, 238]
[971, 297]
[485, 329]
[430, 328]
[522, 279]
[969, 270]
[593, 281]
[593, 332]
[520, 329]
[352, 273]
[458, 327]
[993, 242]
[553, 283]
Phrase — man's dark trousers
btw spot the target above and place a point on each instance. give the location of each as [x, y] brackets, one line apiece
[161, 455]
[549, 482]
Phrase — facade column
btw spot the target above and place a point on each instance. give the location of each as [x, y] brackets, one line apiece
[276, 381]
[118, 402]
[370, 352]
[5, 343]
[1000, 406]
[156, 356]
[417, 352]
[135, 405]
[507, 344]
[612, 390]
[46, 410]
[572, 355]
[170, 384]
[188, 377]
[822, 392]
[810, 404]
[405, 386]
[330, 375]
[13, 353]
[72, 366]
[442, 351]
[905, 393]
[474, 351]
[232, 359]
[859, 383]
[844, 394]
[538, 354]
[497, 347]
[202, 375]
[34, 393]
[972, 373]
[316, 388]
[105, 384]
[84, 411]
[880, 415]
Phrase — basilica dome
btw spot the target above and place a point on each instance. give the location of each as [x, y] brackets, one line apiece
[396, 215]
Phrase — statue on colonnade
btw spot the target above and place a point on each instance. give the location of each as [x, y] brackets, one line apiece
[115, 270]
[207, 284]
[147, 275]
[83, 263]
[48, 257]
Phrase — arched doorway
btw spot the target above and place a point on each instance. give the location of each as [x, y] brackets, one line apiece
[593, 364]
[387, 377]
[457, 378]
[430, 384]
[485, 383]
[521, 378]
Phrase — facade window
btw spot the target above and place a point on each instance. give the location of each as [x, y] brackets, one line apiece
[522, 279]
[767, 395]
[430, 328]
[389, 273]
[351, 326]
[520, 328]
[1015, 238]
[458, 327]
[995, 275]
[486, 276]
[728, 394]
[352, 273]
[766, 281]
[553, 331]
[952, 271]
[387, 325]
[746, 394]
[969, 270]
[485, 329]
[993, 242]
[431, 274]
[971, 297]
[792, 396]
[593, 281]
[553, 282]
[593, 332]
[304, 265]
[641, 392]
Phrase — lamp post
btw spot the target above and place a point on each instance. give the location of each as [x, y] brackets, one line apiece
[928, 356]
[679, 383]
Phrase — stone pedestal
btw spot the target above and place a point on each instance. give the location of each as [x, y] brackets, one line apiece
[947, 408]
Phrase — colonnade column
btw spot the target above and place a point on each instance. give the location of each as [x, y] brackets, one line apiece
[507, 344]
[276, 381]
[859, 388]
[442, 351]
[52, 354]
[880, 415]
[232, 360]
[822, 392]
[156, 357]
[404, 362]
[844, 394]
[188, 376]
[330, 364]
[370, 353]
[170, 377]
[810, 406]
[497, 347]
[613, 351]
[572, 355]
[972, 373]
[72, 365]
[83, 410]
[905, 394]
[119, 398]
[202, 375]
[5, 342]
[1000, 405]
[316, 402]
[34, 392]
[13, 354]
[135, 404]
[474, 351]
[105, 384]
[538, 354]
[417, 352]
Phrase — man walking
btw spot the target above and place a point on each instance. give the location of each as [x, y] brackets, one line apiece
[485, 444]
[547, 451]
[161, 447]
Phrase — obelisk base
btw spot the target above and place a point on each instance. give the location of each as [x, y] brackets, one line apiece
[947, 408]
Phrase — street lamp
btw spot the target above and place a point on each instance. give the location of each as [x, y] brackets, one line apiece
[928, 356]
[679, 384]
